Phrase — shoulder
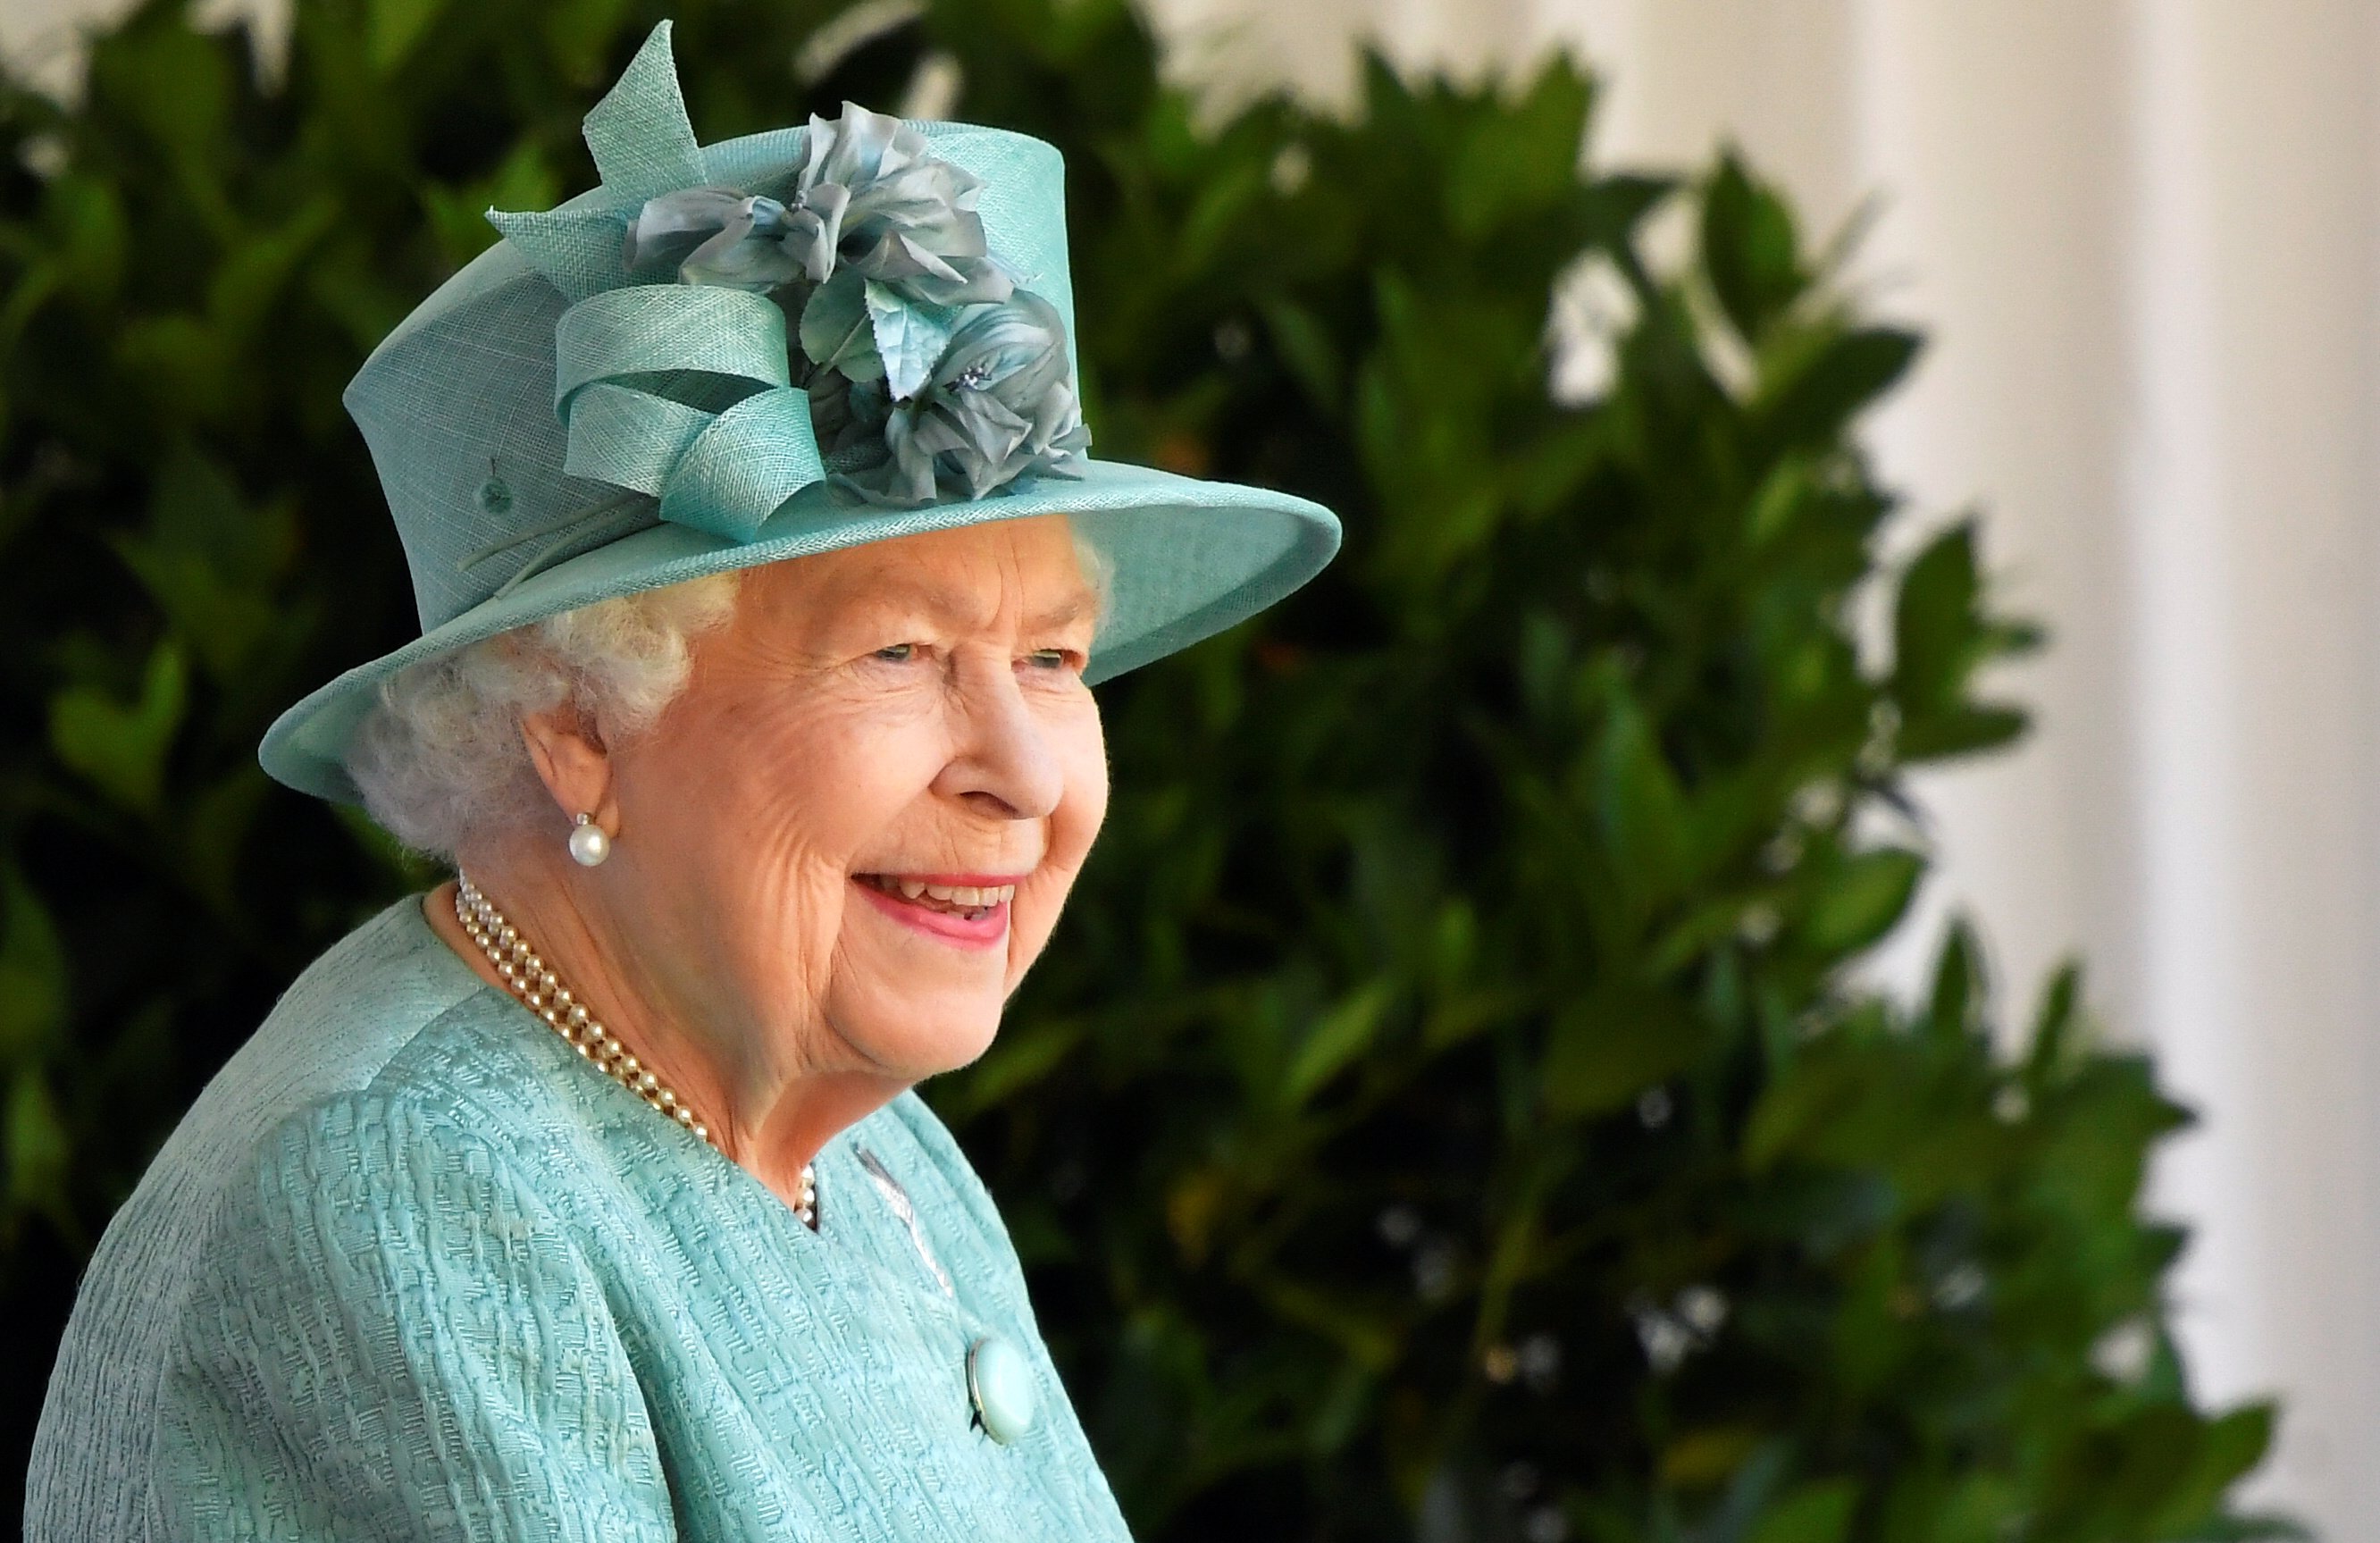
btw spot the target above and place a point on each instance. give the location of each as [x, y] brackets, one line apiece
[352, 1015]
[335, 1030]
[313, 1130]
[410, 1180]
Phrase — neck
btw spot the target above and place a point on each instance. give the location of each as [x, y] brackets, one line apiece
[770, 1107]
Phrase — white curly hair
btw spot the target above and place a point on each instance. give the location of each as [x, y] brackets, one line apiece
[441, 760]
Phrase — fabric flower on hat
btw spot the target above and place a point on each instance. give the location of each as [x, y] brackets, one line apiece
[930, 373]
[869, 198]
[997, 406]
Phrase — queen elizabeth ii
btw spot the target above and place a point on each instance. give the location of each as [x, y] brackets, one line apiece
[763, 572]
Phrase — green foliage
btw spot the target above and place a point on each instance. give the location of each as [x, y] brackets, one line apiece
[1448, 1106]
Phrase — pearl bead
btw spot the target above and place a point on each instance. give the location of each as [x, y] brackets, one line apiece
[589, 843]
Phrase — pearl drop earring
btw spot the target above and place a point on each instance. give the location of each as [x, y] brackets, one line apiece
[588, 845]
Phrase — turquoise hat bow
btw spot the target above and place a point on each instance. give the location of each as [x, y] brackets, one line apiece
[725, 355]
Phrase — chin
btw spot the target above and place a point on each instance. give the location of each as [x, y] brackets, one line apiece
[925, 1041]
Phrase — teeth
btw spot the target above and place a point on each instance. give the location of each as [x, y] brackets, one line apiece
[966, 896]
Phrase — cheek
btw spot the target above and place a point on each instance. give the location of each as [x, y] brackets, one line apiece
[1073, 825]
[1076, 823]
[794, 788]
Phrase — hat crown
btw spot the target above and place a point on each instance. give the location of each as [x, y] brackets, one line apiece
[458, 404]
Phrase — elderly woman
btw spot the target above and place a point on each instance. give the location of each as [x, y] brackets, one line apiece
[763, 572]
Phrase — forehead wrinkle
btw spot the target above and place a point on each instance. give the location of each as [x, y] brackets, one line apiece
[889, 584]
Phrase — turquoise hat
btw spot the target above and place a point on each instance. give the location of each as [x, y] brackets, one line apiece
[731, 354]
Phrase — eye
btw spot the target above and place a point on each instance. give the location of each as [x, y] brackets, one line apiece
[1054, 659]
[897, 653]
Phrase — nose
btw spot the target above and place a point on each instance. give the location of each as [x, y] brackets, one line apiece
[1004, 764]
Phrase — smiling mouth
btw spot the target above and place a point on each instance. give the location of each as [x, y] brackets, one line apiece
[967, 902]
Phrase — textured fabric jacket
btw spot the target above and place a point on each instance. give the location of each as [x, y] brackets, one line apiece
[412, 1268]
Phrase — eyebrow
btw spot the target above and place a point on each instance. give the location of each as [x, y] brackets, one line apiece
[1083, 604]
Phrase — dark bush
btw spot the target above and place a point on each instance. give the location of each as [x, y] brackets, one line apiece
[1449, 1107]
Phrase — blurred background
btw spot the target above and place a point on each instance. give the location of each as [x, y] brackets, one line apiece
[2141, 236]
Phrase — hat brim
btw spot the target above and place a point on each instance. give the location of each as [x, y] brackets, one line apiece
[1187, 558]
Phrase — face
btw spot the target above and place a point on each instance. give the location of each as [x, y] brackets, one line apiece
[851, 834]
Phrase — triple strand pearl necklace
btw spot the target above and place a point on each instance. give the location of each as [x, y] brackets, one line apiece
[528, 978]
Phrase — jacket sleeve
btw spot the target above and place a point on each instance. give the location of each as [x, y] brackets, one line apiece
[393, 1338]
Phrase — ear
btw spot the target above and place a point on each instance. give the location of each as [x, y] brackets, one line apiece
[573, 762]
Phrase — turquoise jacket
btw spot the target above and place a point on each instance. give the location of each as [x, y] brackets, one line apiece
[412, 1268]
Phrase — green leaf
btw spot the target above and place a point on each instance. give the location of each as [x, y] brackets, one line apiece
[1813, 403]
[222, 821]
[2227, 1449]
[1512, 163]
[209, 561]
[2054, 1022]
[1958, 731]
[32, 976]
[1957, 1003]
[254, 273]
[1812, 1514]
[122, 747]
[1937, 638]
[38, 1149]
[395, 28]
[1341, 1034]
[188, 364]
[1023, 1055]
[1748, 250]
[1641, 809]
[1810, 1094]
[1859, 901]
[1608, 1047]
[1306, 348]
[176, 85]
